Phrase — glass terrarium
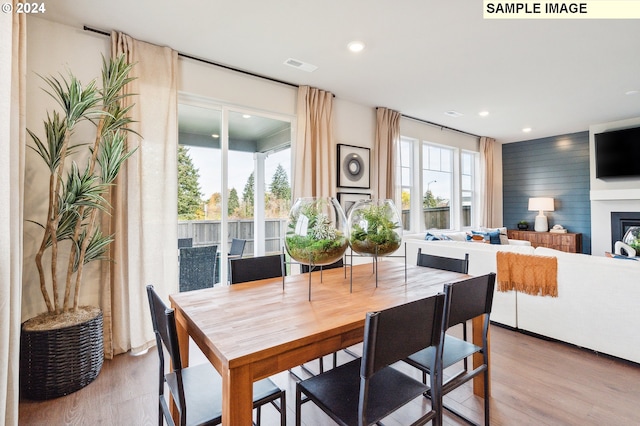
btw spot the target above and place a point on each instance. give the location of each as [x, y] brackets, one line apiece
[632, 238]
[316, 231]
[375, 228]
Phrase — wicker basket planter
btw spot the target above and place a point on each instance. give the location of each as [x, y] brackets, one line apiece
[60, 361]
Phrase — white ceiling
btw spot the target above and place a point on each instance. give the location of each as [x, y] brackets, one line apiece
[422, 57]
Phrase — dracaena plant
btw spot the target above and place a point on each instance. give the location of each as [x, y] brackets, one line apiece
[77, 192]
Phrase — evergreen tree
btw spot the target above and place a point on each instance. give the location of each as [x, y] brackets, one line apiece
[247, 196]
[429, 201]
[234, 202]
[189, 202]
[280, 184]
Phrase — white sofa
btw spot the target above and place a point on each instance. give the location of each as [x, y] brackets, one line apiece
[597, 303]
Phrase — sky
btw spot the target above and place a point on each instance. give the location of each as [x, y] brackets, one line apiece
[207, 161]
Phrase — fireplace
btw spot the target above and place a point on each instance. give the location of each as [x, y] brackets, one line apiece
[620, 223]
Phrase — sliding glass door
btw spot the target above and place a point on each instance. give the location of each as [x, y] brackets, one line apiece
[234, 178]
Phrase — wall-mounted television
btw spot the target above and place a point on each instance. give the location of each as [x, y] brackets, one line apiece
[618, 153]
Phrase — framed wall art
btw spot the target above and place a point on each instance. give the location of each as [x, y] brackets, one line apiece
[353, 166]
[348, 200]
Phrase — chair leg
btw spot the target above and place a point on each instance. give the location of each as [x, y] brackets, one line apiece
[258, 415]
[464, 337]
[486, 398]
[298, 405]
[160, 415]
[283, 409]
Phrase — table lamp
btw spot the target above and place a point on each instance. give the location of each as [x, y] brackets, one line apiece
[541, 205]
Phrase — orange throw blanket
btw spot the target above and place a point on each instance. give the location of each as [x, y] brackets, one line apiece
[535, 275]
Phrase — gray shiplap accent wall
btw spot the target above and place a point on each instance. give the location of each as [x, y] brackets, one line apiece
[556, 167]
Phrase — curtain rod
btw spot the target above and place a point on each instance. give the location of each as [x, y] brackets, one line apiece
[184, 55]
[438, 125]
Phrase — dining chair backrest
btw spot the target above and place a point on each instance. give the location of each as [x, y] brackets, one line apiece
[256, 268]
[197, 267]
[337, 264]
[444, 263]
[185, 242]
[237, 247]
[468, 299]
[164, 327]
[395, 333]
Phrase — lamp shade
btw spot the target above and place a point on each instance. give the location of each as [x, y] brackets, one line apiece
[541, 204]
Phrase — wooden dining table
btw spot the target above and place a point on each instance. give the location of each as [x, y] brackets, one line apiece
[253, 330]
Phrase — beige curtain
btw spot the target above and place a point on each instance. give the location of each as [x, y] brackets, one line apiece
[386, 146]
[314, 167]
[144, 217]
[12, 156]
[486, 181]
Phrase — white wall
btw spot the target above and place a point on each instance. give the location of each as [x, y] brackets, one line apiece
[609, 195]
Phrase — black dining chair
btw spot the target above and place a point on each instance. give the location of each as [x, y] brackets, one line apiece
[368, 389]
[444, 263]
[197, 390]
[256, 268]
[337, 264]
[465, 300]
[197, 267]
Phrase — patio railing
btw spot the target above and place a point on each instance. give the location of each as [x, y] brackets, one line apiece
[207, 232]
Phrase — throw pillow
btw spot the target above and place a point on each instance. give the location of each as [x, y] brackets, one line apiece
[492, 236]
[503, 234]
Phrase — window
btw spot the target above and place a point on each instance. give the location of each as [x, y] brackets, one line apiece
[406, 181]
[438, 186]
[467, 174]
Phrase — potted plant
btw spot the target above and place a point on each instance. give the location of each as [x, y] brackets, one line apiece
[62, 349]
[523, 225]
[374, 227]
[316, 233]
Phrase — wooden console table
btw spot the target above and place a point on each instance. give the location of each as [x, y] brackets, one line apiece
[569, 242]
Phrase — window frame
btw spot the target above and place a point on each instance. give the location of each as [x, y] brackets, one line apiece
[417, 187]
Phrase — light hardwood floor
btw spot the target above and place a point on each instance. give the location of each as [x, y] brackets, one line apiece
[534, 382]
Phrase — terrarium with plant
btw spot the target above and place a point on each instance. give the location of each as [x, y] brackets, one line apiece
[374, 227]
[316, 231]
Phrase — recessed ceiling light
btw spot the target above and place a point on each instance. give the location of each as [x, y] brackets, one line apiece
[215, 136]
[246, 116]
[631, 92]
[356, 46]
[483, 113]
[527, 129]
[454, 114]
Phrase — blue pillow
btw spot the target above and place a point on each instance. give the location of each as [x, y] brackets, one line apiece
[492, 236]
[432, 237]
